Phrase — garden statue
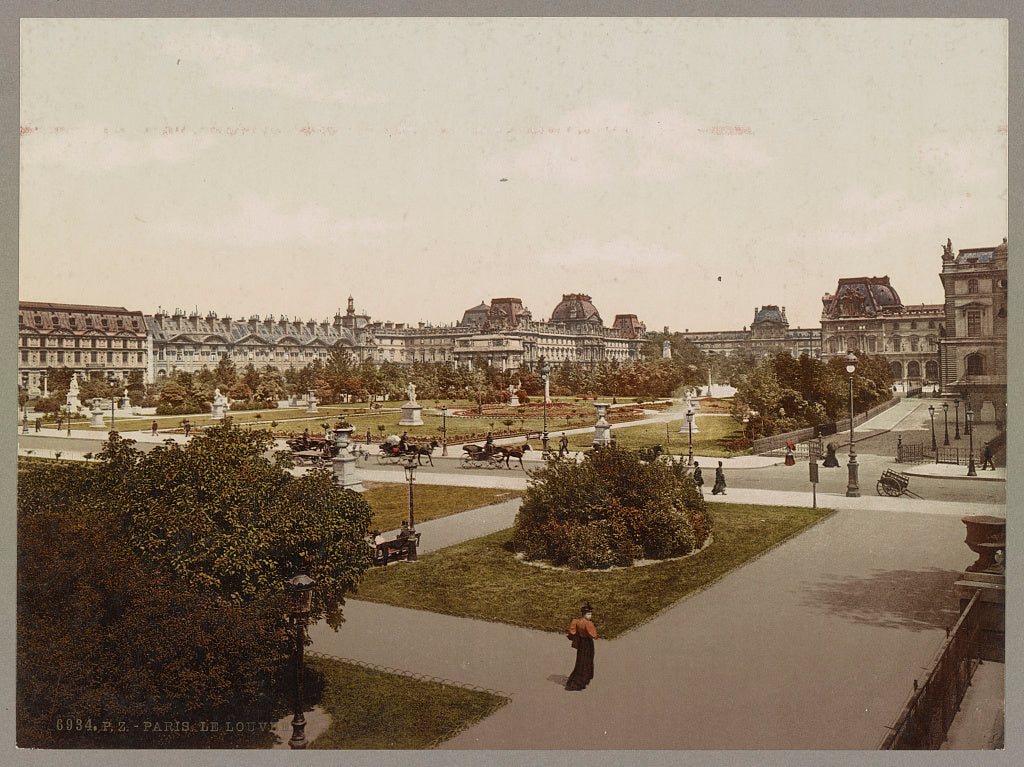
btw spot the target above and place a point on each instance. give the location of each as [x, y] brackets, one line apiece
[410, 390]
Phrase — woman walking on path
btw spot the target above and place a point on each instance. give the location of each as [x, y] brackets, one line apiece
[698, 478]
[582, 633]
[719, 480]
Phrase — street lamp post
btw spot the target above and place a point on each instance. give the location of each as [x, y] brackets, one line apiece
[300, 595]
[852, 485]
[969, 416]
[444, 430]
[931, 412]
[956, 419]
[689, 434]
[544, 372]
[113, 389]
[945, 422]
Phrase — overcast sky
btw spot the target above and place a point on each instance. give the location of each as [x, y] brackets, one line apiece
[685, 170]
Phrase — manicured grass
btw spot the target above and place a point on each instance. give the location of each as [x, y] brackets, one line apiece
[709, 441]
[377, 710]
[390, 502]
[483, 579]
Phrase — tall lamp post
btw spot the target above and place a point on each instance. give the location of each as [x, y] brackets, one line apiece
[444, 430]
[689, 434]
[931, 412]
[969, 417]
[113, 398]
[300, 596]
[852, 485]
[956, 419]
[544, 372]
[945, 422]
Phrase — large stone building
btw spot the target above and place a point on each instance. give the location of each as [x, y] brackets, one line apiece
[769, 333]
[973, 349]
[94, 340]
[866, 315]
[503, 334]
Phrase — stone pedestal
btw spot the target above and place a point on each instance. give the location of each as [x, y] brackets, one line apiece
[514, 401]
[344, 463]
[602, 429]
[311, 402]
[411, 415]
[217, 411]
[96, 418]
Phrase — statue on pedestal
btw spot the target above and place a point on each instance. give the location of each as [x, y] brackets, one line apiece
[410, 390]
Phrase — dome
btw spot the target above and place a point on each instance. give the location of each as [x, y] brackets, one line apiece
[576, 307]
[769, 314]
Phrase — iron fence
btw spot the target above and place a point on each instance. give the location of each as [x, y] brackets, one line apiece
[958, 455]
[925, 719]
[911, 453]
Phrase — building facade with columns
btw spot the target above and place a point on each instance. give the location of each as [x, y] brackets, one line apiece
[973, 350]
[769, 333]
[866, 315]
[90, 339]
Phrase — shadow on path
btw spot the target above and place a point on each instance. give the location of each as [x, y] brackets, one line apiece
[910, 599]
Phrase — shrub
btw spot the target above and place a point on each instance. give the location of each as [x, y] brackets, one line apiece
[610, 509]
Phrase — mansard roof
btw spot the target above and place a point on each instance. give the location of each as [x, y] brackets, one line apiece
[576, 307]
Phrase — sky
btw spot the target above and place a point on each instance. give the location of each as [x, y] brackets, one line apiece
[687, 171]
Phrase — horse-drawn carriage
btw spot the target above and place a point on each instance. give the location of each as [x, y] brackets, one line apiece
[393, 450]
[492, 456]
[312, 450]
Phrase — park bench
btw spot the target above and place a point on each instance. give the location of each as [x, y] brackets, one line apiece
[396, 550]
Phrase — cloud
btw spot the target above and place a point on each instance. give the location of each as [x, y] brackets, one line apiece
[259, 221]
[94, 148]
[241, 63]
[609, 140]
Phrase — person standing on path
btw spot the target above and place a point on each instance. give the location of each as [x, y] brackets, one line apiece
[790, 460]
[154, 428]
[719, 481]
[988, 462]
[60, 422]
[563, 444]
[582, 633]
[698, 478]
[188, 427]
[39, 425]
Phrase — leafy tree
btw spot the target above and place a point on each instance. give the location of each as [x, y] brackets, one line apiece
[150, 584]
[226, 374]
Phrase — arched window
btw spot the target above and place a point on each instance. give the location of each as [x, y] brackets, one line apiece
[931, 370]
[896, 343]
[871, 344]
[913, 343]
[972, 286]
[913, 369]
[896, 368]
[975, 365]
[853, 344]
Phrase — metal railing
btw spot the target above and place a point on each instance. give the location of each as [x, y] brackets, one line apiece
[957, 455]
[911, 453]
[925, 719]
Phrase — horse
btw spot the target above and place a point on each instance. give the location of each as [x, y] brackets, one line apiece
[514, 452]
[420, 451]
[648, 454]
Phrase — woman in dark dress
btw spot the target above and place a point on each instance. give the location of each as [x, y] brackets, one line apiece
[583, 634]
[719, 480]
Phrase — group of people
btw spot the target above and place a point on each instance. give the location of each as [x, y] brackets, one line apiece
[698, 479]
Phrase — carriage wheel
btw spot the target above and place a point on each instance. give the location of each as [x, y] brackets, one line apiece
[880, 488]
[467, 463]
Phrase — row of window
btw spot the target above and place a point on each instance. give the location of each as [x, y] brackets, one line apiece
[81, 343]
[69, 358]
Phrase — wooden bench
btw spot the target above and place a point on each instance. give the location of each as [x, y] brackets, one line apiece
[396, 550]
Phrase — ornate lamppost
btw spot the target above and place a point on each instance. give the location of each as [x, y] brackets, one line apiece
[956, 419]
[300, 595]
[689, 434]
[410, 475]
[945, 422]
[931, 412]
[852, 485]
[444, 430]
[969, 416]
[544, 372]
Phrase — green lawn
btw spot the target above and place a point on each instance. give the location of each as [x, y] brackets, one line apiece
[376, 710]
[390, 502]
[483, 579]
[714, 433]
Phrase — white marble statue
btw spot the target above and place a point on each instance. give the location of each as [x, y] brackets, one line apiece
[410, 390]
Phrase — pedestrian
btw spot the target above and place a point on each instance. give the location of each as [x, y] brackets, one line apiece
[830, 462]
[154, 428]
[188, 427]
[563, 444]
[368, 435]
[790, 461]
[698, 478]
[24, 423]
[582, 635]
[719, 481]
[39, 425]
[988, 458]
[60, 422]
[488, 444]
